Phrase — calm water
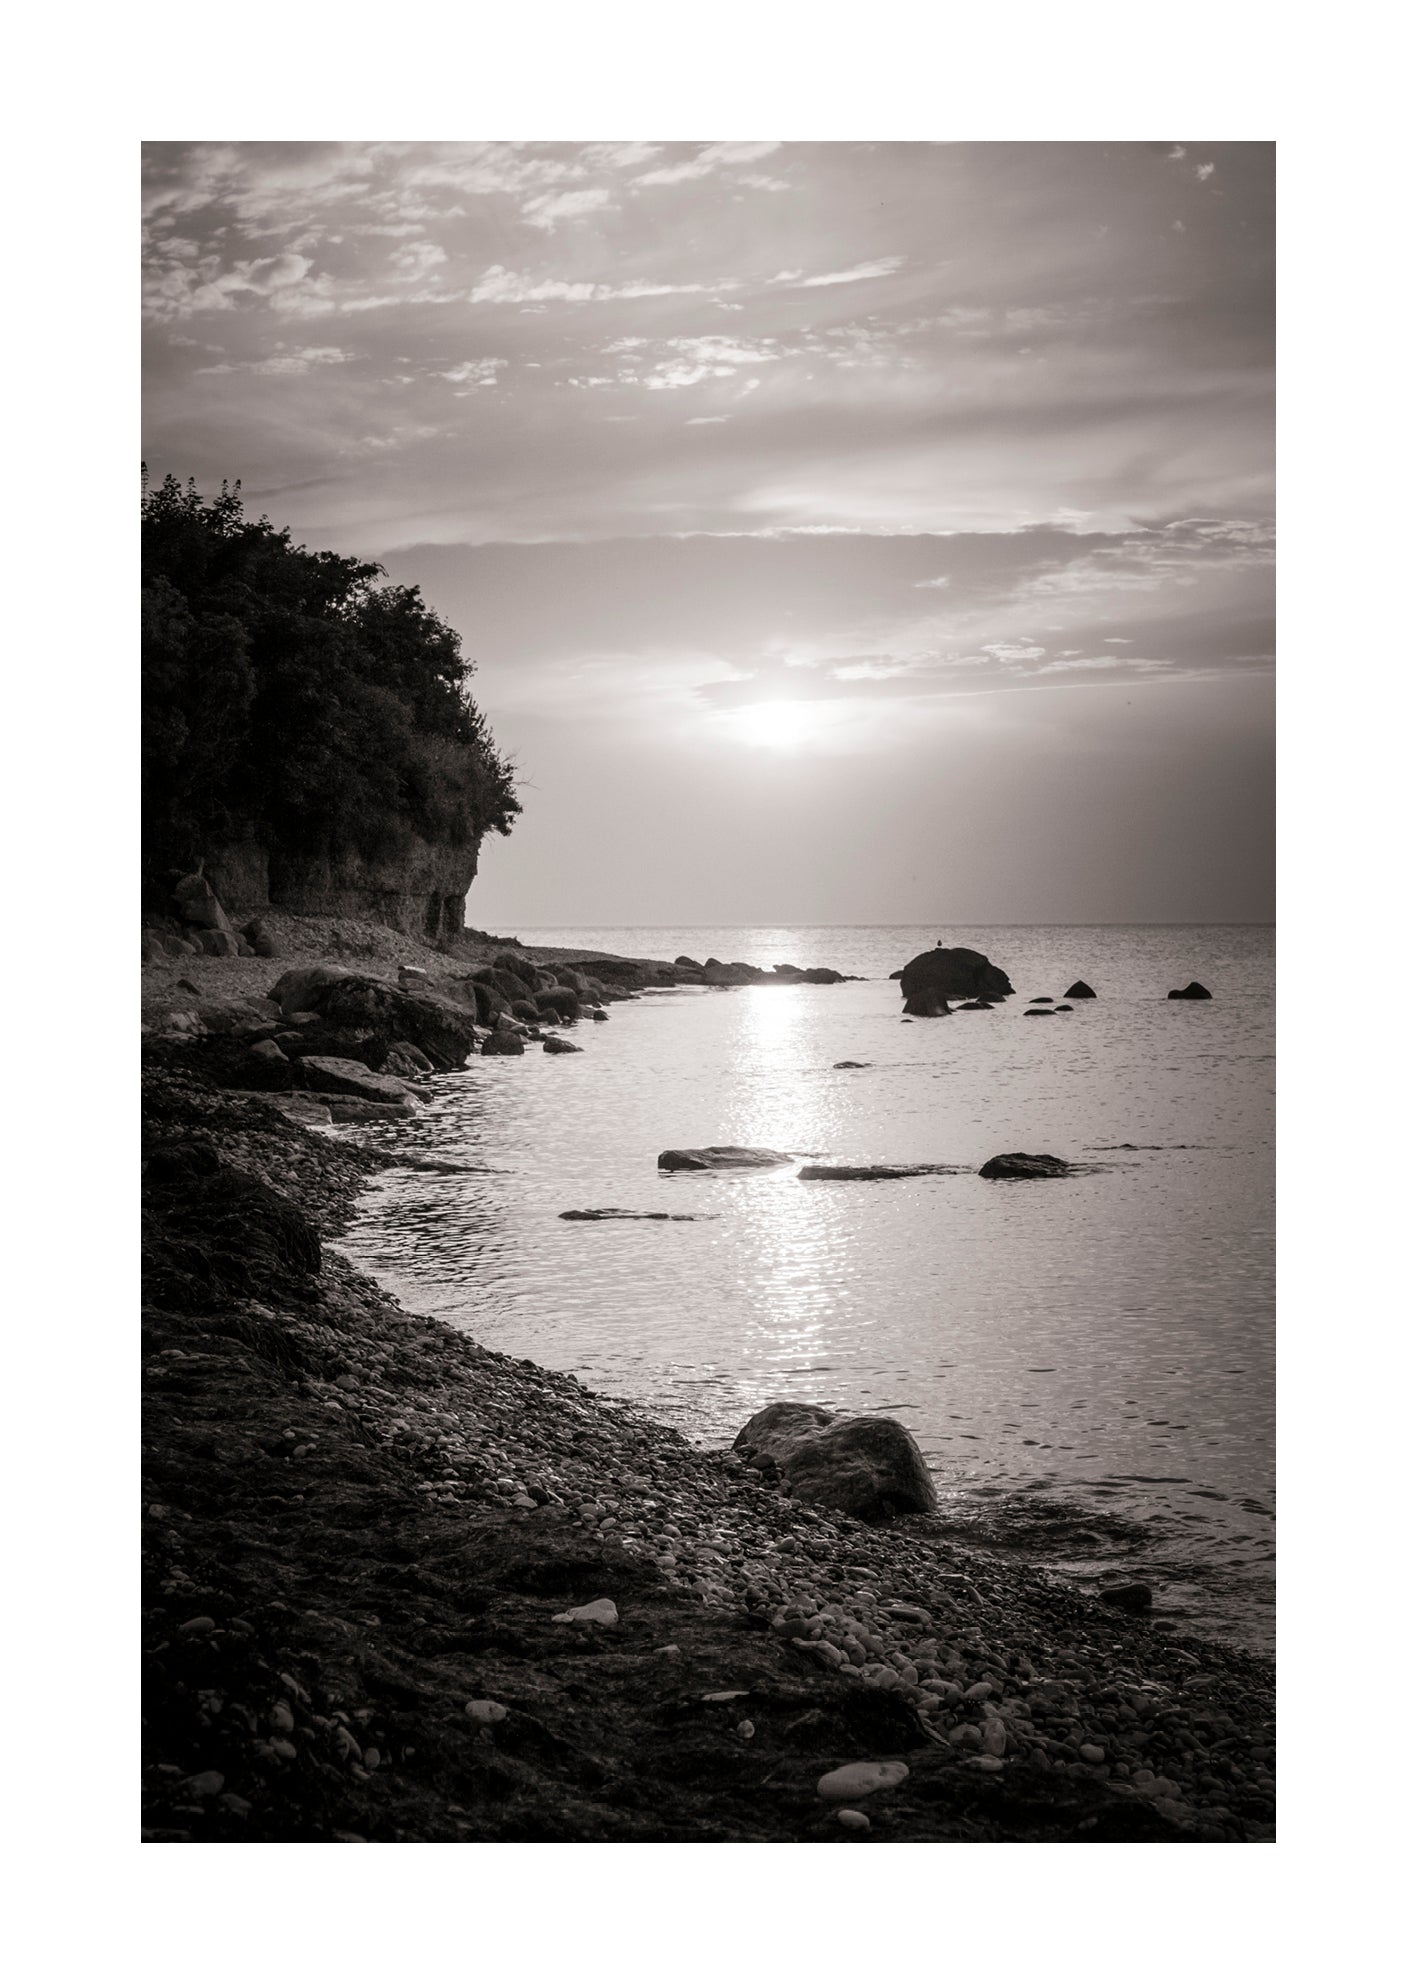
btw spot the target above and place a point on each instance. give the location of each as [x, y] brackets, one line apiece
[1086, 1363]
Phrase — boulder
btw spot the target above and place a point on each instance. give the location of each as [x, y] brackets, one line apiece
[220, 944]
[347, 1001]
[1020, 1164]
[268, 1051]
[258, 935]
[197, 904]
[954, 974]
[721, 1157]
[553, 1044]
[1129, 1596]
[927, 1005]
[561, 1004]
[772, 1433]
[154, 948]
[598, 1015]
[1040, 1012]
[1195, 990]
[504, 1041]
[359, 1109]
[297, 991]
[1042, 999]
[688, 964]
[406, 1061]
[1065, 1008]
[865, 1466]
[976, 1006]
[1080, 989]
[331, 1076]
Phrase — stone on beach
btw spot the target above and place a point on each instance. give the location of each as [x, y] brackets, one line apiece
[863, 1780]
[485, 1712]
[1130, 1596]
[722, 1157]
[599, 1612]
[867, 1467]
[1023, 1164]
[330, 1075]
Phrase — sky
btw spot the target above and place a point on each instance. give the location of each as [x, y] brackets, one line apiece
[843, 533]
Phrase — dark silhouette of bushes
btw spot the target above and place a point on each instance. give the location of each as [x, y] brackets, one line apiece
[291, 699]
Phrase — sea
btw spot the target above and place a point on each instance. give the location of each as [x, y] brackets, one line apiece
[1087, 1363]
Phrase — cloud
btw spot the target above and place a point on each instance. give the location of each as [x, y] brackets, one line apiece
[416, 259]
[713, 158]
[502, 285]
[549, 208]
[1204, 172]
[284, 361]
[473, 373]
[885, 265]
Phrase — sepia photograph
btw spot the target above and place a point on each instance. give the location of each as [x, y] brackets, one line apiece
[635, 636]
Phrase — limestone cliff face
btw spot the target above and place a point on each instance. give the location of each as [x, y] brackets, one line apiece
[420, 891]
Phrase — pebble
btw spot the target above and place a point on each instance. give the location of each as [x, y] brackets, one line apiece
[745, 1730]
[1092, 1753]
[600, 1612]
[205, 1784]
[485, 1712]
[854, 1821]
[861, 1780]
[201, 1624]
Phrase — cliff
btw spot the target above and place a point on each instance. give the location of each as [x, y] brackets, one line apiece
[309, 740]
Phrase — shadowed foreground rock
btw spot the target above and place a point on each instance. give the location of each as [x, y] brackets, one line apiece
[867, 1467]
[722, 1157]
[1023, 1164]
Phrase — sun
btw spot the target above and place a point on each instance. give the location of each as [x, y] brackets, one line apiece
[776, 726]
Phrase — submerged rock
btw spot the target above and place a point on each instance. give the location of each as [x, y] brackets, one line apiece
[954, 974]
[619, 1212]
[553, 1044]
[867, 1467]
[1022, 1164]
[851, 1064]
[722, 1157]
[1195, 990]
[869, 1171]
[503, 1041]
[1080, 989]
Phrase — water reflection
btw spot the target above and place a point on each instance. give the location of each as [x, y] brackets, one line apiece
[1105, 1341]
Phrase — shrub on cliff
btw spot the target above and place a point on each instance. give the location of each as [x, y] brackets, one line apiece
[291, 699]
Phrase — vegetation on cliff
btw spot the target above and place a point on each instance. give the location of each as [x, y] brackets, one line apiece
[292, 700]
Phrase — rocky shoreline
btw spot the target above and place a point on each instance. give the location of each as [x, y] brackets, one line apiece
[398, 1586]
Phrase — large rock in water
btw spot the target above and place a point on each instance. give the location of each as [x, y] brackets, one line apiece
[867, 1467]
[956, 973]
[1023, 1164]
[1195, 990]
[1080, 989]
[721, 1157]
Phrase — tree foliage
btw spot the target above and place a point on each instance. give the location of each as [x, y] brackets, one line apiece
[291, 698]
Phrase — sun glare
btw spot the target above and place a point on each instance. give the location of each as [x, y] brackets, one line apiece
[776, 726]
